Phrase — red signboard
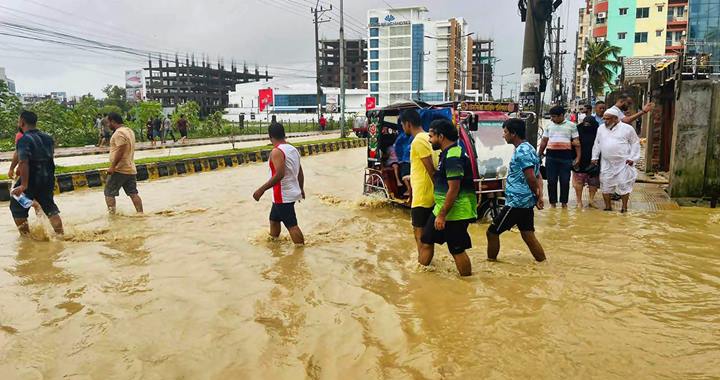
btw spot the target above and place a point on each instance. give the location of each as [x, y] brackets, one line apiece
[265, 98]
[369, 103]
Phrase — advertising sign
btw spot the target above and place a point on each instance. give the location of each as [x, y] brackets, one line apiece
[265, 98]
[369, 103]
[134, 84]
[331, 102]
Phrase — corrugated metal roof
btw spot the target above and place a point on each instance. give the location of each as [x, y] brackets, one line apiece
[637, 69]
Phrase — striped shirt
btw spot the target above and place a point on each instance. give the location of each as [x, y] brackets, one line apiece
[560, 138]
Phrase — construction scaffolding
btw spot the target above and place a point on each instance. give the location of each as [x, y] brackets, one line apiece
[174, 82]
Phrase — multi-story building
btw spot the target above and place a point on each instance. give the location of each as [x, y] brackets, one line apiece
[355, 63]
[704, 31]
[582, 39]
[483, 63]
[173, 82]
[10, 83]
[637, 27]
[413, 57]
[677, 26]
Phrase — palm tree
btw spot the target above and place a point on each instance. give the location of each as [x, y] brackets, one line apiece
[600, 59]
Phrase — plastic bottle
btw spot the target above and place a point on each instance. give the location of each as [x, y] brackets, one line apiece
[23, 200]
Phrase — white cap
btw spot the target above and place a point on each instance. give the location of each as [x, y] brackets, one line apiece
[615, 112]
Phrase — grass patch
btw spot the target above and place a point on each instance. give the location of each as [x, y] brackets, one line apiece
[152, 160]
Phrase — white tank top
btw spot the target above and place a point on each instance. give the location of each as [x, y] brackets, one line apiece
[288, 189]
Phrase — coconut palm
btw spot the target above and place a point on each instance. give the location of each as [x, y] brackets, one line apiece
[600, 60]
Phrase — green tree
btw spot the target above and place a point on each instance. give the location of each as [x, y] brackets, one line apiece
[191, 110]
[87, 110]
[600, 60]
[9, 111]
[142, 112]
[115, 96]
[63, 124]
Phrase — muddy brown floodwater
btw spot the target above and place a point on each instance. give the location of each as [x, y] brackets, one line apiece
[194, 290]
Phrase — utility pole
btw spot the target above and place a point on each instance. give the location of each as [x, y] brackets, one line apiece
[342, 72]
[318, 12]
[535, 14]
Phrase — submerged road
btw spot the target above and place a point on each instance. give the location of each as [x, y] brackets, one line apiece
[194, 289]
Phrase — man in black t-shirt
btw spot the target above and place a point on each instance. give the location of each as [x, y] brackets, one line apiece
[36, 169]
[587, 129]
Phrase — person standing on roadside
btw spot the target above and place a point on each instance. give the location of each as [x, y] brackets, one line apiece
[167, 129]
[157, 129]
[122, 172]
[523, 192]
[287, 182]
[36, 172]
[183, 125]
[585, 173]
[623, 103]
[618, 146]
[322, 122]
[99, 129]
[600, 108]
[422, 171]
[561, 144]
[455, 199]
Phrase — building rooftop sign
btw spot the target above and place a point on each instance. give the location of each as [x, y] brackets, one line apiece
[390, 21]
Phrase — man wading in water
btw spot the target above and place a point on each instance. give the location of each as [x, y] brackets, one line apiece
[523, 192]
[122, 171]
[287, 181]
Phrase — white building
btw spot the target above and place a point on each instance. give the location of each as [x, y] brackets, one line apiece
[10, 83]
[413, 57]
[294, 99]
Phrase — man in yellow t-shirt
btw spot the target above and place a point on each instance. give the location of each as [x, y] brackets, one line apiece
[422, 169]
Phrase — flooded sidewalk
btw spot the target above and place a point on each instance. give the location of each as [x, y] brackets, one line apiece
[195, 289]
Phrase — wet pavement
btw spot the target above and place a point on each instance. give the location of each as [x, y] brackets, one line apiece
[194, 289]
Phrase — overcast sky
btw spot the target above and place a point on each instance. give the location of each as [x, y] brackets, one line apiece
[276, 33]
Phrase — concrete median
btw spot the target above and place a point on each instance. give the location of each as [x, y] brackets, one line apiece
[67, 182]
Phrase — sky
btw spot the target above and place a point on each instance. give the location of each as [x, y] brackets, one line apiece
[274, 33]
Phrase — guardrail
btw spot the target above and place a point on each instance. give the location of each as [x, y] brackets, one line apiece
[147, 172]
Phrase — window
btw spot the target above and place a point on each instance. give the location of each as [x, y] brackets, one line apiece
[621, 35]
[374, 43]
[374, 77]
[641, 37]
[374, 87]
[623, 11]
[658, 33]
[660, 8]
[670, 13]
[680, 11]
[374, 20]
[374, 32]
[599, 20]
[642, 13]
[374, 66]
[374, 54]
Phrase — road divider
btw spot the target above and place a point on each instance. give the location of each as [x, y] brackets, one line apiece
[89, 179]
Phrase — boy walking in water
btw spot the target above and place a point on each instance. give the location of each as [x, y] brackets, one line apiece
[122, 171]
[523, 192]
[287, 182]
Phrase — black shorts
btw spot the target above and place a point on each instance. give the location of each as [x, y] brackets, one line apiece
[420, 216]
[404, 169]
[523, 218]
[44, 195]
[183, 133]
[115, 181]
[455, 235]
[285, 213]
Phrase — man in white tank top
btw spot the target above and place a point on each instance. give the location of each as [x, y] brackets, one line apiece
[287, 183]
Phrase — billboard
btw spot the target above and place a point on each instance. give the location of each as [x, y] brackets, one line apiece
[134, 84]
[265, 98]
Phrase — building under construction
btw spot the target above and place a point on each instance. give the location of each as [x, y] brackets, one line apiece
[482, 66]
[174, 82]
[355, 63]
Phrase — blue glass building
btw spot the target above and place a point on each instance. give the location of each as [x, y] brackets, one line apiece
[704, 30]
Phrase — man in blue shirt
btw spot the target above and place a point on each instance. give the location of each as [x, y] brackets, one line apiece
[523, 192]
[402, 150]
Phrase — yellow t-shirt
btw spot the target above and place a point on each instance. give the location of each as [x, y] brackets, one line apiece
[420, 180]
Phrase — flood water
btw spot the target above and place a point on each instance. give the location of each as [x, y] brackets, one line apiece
[195, 290]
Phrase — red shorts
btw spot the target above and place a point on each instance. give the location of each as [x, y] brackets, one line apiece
[586, 179]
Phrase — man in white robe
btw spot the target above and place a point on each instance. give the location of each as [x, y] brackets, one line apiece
[619, 147]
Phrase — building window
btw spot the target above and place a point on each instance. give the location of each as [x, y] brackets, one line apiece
[660, 8]
[374, 32]
[622, 35]
[599, 20]
[374, 65]
[374, 77]
[658, 33]
[641, 37]
[374, 42]
[642, 12]
[680, 11]
[374, 87]
[374, 54]
[374, 20]
[623, 11]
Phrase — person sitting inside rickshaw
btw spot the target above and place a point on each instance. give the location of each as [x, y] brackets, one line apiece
[402, 150]
[391, 160]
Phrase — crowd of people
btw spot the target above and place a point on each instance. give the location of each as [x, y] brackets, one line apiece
[157, 128]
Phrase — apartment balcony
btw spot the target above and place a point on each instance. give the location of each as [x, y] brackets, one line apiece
[678, 2]
[674, 49]
[600, 31]
[677, 23]
[601, 6]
